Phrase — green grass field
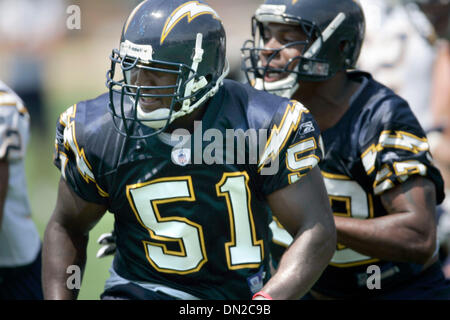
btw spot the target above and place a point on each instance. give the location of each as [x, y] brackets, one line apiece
[43, 179]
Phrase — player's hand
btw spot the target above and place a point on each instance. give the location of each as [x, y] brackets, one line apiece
[108, 242]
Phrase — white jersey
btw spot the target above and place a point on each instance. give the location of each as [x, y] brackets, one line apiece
[19, 239]
[398, 53]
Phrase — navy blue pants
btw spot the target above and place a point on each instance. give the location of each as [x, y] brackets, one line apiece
[428, 285]
[22, 283]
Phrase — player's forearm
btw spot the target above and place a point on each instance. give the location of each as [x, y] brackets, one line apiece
[61, 250]
[302, 263]
[389, 238]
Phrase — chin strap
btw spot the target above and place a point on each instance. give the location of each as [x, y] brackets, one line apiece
[206, 96]
[193, 85]
[326, 34]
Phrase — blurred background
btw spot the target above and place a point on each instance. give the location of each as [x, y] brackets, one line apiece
[52, 62]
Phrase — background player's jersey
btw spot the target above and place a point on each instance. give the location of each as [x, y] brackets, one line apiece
[376, 145]
[19, 238]
[197, 227]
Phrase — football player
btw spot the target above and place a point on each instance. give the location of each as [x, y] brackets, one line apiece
[378, 171]
[186, 228]
[398, 34]
[20, 244]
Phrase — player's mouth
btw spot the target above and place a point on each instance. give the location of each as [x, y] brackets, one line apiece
[151, 104]
[274, 76]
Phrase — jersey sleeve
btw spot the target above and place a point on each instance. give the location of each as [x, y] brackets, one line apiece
[72, 157]
[14, 126]
[293, 148]
[396, 148]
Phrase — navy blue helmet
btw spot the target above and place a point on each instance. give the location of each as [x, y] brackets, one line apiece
[182, 38]
[334, 30]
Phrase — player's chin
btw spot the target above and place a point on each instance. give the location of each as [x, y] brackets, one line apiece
[149, 106]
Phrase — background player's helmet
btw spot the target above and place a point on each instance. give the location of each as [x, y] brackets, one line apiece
[180, 37]
[437, 13]
[334, 30]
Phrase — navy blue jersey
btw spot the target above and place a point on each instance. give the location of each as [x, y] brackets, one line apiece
[376, 145]
[197, 227]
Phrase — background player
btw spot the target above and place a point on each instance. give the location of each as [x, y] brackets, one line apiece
[20, 245]
[399, 34]
[377, 167]
[185, 230]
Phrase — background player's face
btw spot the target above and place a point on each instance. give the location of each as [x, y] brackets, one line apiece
[276, 36]
[142, 77]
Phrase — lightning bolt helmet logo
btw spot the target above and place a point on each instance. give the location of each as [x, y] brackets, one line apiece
[191, 10]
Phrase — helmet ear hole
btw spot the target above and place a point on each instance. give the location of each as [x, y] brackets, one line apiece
[344, 47]
[209, 78]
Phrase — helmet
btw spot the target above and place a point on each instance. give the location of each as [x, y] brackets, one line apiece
[182, 38]
[328, 25]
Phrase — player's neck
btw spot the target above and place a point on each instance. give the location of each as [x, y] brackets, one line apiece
[187, 121]
[327, 100]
